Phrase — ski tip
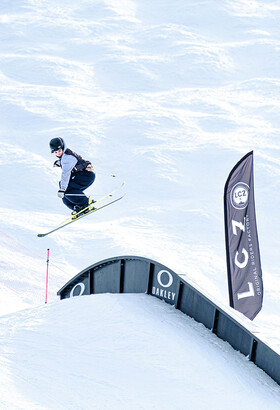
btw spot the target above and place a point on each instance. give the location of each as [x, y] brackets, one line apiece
[40, 235]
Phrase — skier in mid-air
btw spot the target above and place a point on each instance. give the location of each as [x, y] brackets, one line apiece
[76, 176]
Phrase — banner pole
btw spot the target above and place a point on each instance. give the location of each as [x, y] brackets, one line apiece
[47, 275]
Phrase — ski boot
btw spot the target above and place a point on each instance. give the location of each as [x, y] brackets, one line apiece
[90, 204]
[80, 210]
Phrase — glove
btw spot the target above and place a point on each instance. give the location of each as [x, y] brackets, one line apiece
[57, 163]
[60, 193]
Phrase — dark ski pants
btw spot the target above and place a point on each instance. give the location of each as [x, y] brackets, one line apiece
[74, 194]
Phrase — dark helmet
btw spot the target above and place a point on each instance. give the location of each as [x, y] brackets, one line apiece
[56, 144]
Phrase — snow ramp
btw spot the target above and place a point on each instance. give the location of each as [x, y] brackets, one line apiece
[133, 274]
[123, 352]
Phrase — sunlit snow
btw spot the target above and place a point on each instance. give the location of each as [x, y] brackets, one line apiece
[168, 96]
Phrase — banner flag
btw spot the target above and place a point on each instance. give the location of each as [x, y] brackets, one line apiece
[242, 245]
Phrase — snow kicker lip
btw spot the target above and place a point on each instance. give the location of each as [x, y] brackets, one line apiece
[133, 274]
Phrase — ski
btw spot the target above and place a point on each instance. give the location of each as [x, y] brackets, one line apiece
[102, 197]
[81, 214]
[71, 220]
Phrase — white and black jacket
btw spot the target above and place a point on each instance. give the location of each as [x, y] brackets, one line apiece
[70, 162]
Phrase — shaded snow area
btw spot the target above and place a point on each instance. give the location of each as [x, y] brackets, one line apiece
[123, 352]
[168, 96]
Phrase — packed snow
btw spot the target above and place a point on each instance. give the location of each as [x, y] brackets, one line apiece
[123, 352]
[168, 96]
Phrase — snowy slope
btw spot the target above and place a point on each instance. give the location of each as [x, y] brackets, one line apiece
[23, 276]
[123, 352]
[167, 95]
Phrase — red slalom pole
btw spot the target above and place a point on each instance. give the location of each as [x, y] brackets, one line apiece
[47, 275]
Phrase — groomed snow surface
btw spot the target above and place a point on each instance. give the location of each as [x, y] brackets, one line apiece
[123, 352]
[168, 95]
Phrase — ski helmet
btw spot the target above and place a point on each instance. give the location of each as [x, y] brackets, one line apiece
[56, 144]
